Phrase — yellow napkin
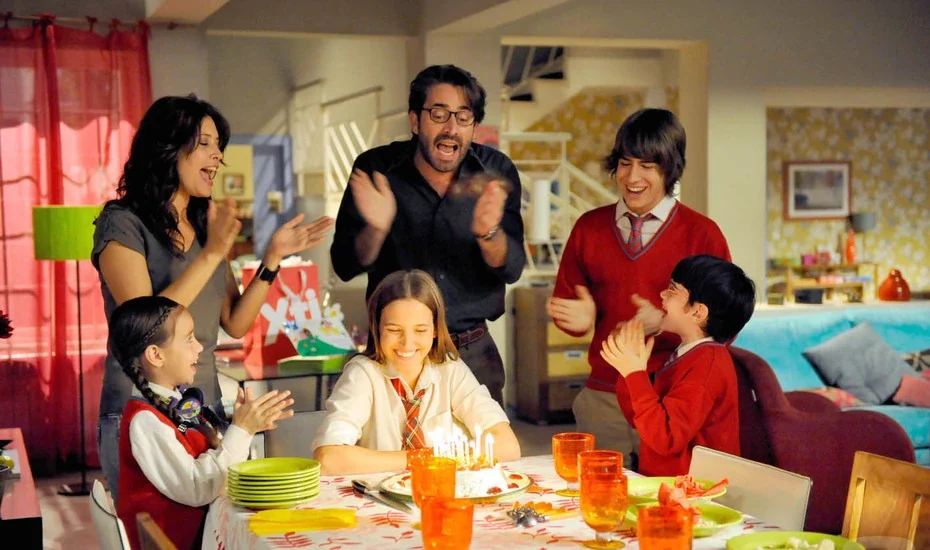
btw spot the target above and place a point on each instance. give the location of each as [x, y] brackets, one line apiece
[277, 522]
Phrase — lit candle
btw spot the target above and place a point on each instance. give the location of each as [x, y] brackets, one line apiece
[477, 441]
[490, 440]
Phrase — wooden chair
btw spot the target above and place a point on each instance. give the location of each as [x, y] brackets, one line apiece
[888, 505]
[150, 534]
[771, 494]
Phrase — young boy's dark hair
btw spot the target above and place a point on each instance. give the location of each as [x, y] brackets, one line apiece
[730, 296]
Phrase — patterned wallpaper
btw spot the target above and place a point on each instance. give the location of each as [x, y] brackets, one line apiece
[890, 154]
[593, 117]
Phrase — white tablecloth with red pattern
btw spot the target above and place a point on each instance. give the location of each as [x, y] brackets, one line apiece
[227, 526]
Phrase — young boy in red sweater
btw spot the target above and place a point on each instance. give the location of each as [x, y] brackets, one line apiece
[692, 399]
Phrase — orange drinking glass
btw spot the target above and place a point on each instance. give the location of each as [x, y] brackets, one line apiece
[416, 455]
[604, 502]
[432, 476]
[565, 449]
[664, 528]
[447, 523]
[600, 462]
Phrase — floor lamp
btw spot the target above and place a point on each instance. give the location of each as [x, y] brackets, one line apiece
[62, 233]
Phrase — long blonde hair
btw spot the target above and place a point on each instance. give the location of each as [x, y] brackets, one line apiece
[415, 285]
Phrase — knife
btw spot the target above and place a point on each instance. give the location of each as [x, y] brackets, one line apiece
[364, 489]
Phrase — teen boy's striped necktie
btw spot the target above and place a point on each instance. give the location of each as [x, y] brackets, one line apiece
[413, 435]
[635, 242]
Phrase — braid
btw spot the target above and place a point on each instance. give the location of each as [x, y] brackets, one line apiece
[134, 371]
[134, 326]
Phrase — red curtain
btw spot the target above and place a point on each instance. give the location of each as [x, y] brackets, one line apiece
[70, 100]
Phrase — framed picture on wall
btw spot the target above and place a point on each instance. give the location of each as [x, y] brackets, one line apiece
[233, 185]
[817, 190]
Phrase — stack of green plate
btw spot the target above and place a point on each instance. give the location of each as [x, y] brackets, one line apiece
[273, 482]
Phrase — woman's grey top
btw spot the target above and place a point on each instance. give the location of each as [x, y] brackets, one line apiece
[118, 224]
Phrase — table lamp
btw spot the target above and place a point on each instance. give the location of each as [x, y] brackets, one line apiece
[62, 233]
[862, 222]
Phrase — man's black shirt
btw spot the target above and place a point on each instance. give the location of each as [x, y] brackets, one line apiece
[433, 233]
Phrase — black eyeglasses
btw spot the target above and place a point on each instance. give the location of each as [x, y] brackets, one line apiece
[440, 115]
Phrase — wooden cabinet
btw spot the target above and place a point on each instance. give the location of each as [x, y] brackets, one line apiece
[551, 366]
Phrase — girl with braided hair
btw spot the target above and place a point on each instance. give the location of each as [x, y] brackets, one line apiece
[172, 460]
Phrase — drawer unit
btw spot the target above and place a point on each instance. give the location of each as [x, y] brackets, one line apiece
[551, 366]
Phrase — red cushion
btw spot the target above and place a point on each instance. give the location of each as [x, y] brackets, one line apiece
[913, 391]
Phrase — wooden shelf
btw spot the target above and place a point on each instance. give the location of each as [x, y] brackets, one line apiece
[806, 285]
[857, 289]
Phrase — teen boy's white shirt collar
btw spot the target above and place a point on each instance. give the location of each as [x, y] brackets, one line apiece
[193, 481]
[650, 226]
[364, 408]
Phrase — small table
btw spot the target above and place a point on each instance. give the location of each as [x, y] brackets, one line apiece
[20, 516]
[287, 375]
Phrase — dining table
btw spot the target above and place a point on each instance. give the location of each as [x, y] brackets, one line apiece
[377, 525]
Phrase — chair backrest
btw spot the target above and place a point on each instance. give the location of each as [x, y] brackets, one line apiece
[110, 530]
[754, 381]
[888, 505]
[150, 534]
[294, 435]
[771, 494]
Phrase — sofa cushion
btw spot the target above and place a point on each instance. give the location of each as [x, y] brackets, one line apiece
[860, 362]
[914, 420]
[906, 329]
[781, 341]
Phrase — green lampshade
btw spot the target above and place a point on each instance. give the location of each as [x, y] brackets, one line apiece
[64, 232]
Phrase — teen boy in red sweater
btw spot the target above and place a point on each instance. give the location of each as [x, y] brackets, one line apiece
[617, 260]
[692, 399]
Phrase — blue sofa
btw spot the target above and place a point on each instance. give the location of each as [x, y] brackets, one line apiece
[780, 335]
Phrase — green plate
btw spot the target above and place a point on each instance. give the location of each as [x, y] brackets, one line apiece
[777, 540]
[276, 468]
[271, 481]
[646, 489]
[714, 517]
[271, 505]
[277, 497]
[245, 493]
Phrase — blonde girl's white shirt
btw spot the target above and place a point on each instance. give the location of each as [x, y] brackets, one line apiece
[364, 407]
[193, 481]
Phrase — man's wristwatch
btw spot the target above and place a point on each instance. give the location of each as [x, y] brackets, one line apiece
[266, 274]
[490, 234]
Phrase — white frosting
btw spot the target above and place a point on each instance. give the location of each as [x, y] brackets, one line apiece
[479, 483]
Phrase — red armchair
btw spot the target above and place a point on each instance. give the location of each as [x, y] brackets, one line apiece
[807, 434]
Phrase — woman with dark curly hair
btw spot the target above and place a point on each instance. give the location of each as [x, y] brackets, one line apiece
[164, 236]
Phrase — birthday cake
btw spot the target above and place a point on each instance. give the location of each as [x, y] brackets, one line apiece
[480, 480]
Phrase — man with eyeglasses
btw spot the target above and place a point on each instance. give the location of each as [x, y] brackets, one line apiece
[440, 203]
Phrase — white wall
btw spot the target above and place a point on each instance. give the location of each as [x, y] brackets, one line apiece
[752, 46]
[589, 67]
[361, 17]
[478, 54]
[178, 61]
[251, 78]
